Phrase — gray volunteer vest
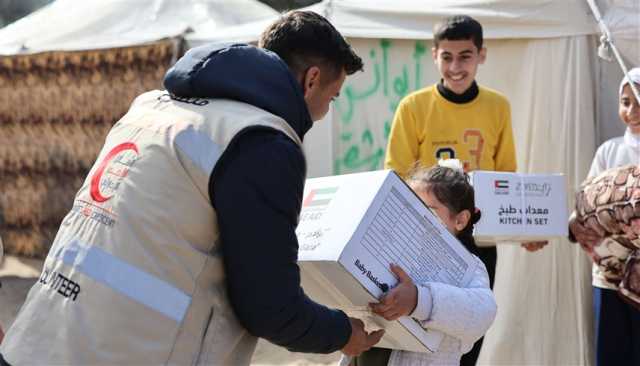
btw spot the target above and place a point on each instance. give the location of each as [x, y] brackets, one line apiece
[133, 276]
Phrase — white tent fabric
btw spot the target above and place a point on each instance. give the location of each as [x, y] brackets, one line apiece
[67, 25]
[545, 308]
[414, 19]
[622, 18]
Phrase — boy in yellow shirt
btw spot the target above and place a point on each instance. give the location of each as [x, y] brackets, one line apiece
[456, 119]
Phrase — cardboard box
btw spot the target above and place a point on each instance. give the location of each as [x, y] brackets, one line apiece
[520, 207]
[352, 227]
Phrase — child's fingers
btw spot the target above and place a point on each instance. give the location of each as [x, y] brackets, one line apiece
[387, 303]
[380, 308]
[532, 247]
[400, 273]
[391, 315]
[389, 298]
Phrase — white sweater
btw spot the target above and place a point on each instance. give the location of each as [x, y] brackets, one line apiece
[618, 151]
[462, 314]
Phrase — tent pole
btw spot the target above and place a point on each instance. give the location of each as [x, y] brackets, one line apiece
[607, 40]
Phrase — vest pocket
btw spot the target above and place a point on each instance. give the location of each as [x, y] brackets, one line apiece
[203, 337]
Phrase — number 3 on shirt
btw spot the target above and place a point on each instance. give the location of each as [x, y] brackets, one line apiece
[475, 142]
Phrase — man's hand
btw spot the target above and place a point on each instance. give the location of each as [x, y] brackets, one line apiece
[401, 300]
[532, 246]
[586, 237]
[360, 341]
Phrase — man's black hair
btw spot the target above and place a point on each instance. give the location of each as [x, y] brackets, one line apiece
[304, 39]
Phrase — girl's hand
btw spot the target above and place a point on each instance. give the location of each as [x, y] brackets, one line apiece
[586, 237]
[401, 300]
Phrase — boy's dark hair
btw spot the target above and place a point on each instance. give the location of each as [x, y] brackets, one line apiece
[454, 190]
[458, 28]
[304, 39]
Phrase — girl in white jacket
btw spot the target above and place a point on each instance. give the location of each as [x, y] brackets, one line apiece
[462, 314]
[617, 323]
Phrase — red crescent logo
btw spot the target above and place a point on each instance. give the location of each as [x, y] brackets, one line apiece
[95, 181]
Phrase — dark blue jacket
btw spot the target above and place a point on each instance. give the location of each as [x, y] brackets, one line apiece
[257, 188]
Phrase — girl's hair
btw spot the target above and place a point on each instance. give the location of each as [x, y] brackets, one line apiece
[452, 188]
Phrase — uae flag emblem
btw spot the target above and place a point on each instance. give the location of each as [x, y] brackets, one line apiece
[501, 184]
[319, 197]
